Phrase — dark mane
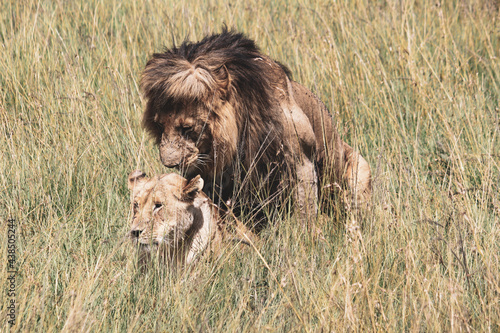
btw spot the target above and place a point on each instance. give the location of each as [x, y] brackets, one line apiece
[228, 67]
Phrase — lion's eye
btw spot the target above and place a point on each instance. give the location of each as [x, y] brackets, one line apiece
[185, 130]
[158, 206]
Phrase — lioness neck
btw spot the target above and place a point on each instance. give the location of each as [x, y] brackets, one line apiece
[207, 228]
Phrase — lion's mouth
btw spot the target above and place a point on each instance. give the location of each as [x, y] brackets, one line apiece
[171, 159]
[199, 164]
[172, 165]
[185, 166]
[189, 162]
[190, 168]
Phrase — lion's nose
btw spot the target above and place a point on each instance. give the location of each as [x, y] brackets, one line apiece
[135, 233]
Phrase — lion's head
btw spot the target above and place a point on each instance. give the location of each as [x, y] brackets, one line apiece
[210, 101]
[167, 209]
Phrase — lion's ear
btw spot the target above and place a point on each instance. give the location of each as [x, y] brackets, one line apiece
[224, 80]
[135, 177]
[192, 188]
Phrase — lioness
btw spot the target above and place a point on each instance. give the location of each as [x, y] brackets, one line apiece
[173, 215]
[222, 109]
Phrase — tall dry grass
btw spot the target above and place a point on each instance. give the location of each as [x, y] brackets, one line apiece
[414, 85]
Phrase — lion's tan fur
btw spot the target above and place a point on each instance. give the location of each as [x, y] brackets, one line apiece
[245, 118]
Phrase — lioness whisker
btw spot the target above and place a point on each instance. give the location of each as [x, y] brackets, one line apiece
[183, 227]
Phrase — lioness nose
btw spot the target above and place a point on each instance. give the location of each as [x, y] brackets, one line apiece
[135, 233]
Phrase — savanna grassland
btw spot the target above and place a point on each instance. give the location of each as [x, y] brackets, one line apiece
[414, 86]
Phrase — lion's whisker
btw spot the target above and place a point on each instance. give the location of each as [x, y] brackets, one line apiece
[268, 134]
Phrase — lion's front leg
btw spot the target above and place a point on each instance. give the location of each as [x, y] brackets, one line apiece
[306, 191]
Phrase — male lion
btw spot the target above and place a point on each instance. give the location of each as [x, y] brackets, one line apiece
[174, 217]
[222, 109]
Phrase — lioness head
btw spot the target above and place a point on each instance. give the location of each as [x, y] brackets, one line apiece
[166, 209]
[173, 216]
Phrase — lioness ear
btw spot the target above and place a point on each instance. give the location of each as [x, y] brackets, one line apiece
[134, 178]
[192, 188]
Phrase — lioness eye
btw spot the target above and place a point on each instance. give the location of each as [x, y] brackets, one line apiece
[158, 206]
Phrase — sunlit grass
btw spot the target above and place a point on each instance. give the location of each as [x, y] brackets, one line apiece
[414, 86]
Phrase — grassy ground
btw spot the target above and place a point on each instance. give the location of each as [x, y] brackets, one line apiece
[414, 85]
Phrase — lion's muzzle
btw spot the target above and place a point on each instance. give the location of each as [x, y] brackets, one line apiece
[177, 153]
